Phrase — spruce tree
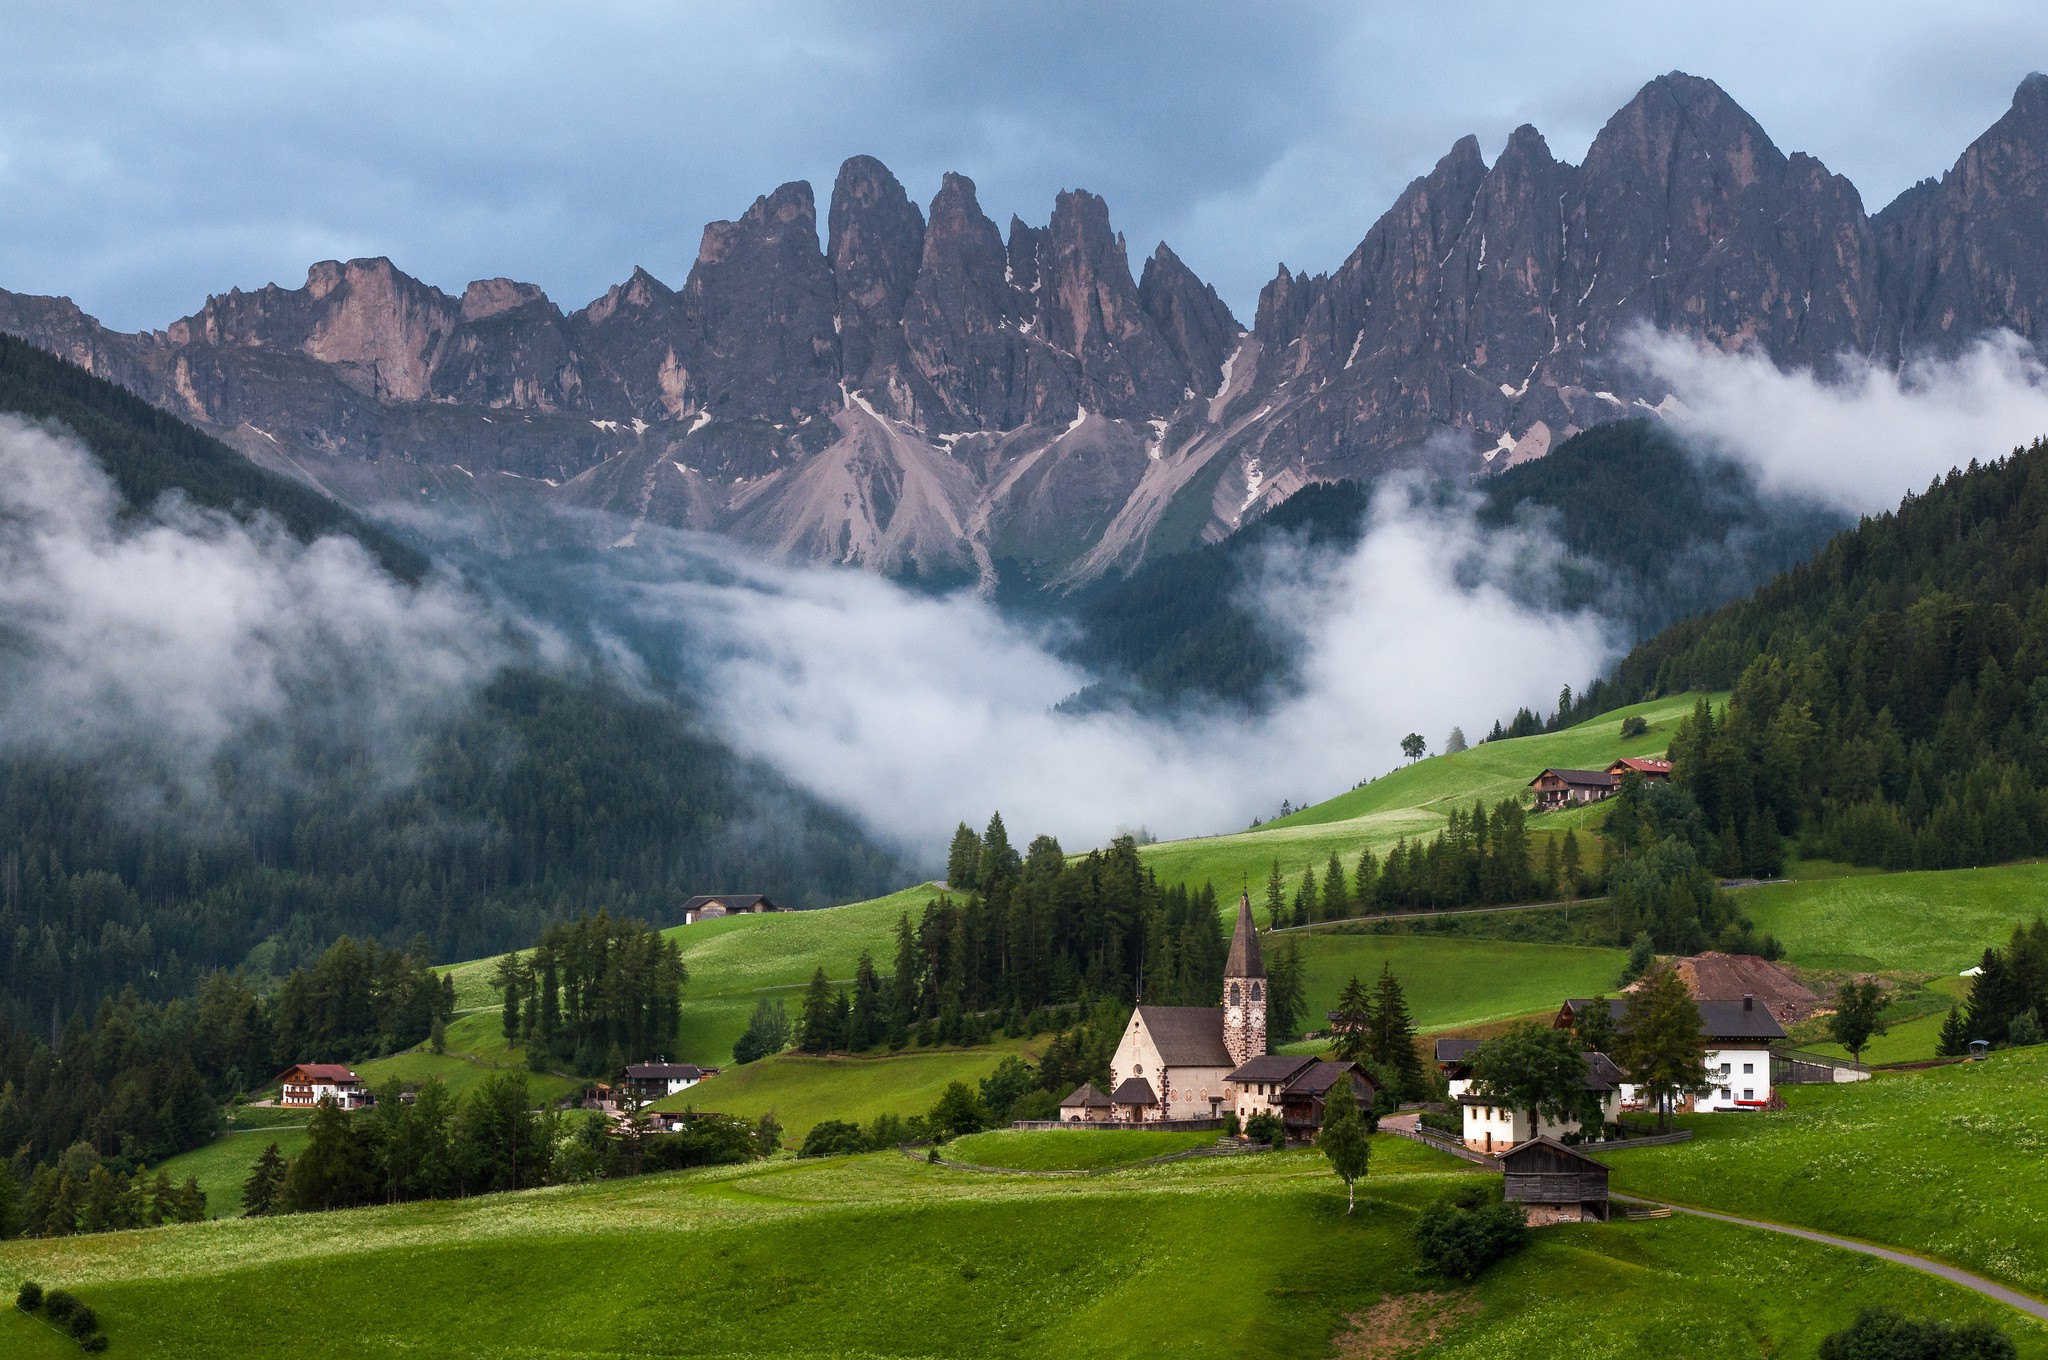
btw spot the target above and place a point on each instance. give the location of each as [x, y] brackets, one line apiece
[1392, 1040]
[1285, 996]
[1661, 1048]
[1955, 1036]
[511, 980]
[1336, 896]
[1305, 897]
[1365, 883]
[1352, 1023]
[963, 860]
[817, 1027]
[1276, 898]
[1571, 865]
[259, 1193]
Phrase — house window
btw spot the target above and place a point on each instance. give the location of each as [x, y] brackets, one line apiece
[1724, 1093]
[1257, 991]
[1748, 1069]
[1748, 1094]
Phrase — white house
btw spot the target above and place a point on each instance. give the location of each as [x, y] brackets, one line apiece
[652, 1081]
[1492, 1127]
[1736, 1037]
[311, 1083]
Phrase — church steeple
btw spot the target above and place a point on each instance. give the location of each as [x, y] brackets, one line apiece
[1244, 989]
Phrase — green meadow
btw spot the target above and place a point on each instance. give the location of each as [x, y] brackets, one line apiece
[802, 1090]
[881, 1256]
[223, 1165]
[1452, 982]
[1071, 1150]
[1951, 1162]
[1412, 801]
[1931, 922]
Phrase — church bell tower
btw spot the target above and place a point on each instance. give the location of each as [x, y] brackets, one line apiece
[1244, 990]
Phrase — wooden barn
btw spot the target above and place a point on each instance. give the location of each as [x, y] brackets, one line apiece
[1555, 1183]
[1653, 768]
[731, 904]
[1562, 788]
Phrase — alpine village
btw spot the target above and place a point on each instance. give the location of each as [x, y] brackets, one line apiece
[502, 846]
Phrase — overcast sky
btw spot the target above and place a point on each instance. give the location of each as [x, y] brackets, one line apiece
[151, 154]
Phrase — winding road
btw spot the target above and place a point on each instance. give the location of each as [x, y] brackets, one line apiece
[1988, 1288]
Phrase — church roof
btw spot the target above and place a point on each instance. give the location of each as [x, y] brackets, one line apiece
[1187, 1036]
[1086, 1096]
[1244, 961]
[1134, 1091]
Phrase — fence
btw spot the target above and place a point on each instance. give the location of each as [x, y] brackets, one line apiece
[1642, 1140]
[1149, 1126]
[1442, 1142]
[1797, 1067]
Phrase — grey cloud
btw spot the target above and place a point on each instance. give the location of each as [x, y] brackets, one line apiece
[150, 155]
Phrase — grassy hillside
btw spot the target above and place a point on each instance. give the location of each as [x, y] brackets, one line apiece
[223, 1165]
[802, 1090]
[1934, 922]
[1411, 801]
[1947, 1162]
[1058, 1150]
[881, 1256]
[1453, 982]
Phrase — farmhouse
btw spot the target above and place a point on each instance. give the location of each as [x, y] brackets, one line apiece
[1489, 1125]
[311, 1083]
[1564, 788]
[1737, 1038]
[1557, 1184]
[1086, 1106]
[1652, 768]
[1454, 1060]
[652, 1081]
[731, 904]
[1175, 1062]
[1294, 1088]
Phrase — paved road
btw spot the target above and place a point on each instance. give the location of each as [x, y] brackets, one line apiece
[1988, 1288]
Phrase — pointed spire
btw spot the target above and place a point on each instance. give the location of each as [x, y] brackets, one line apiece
[1244, 961]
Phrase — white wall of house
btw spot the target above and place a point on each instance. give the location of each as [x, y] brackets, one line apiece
[1183, 1092]
[1739, 1079]
[1495, 1128]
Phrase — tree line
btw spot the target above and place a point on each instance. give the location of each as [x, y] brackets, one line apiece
[595, 994]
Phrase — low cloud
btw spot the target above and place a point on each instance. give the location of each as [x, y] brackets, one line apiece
[158, 640]
[1863, 437]
[915, 712]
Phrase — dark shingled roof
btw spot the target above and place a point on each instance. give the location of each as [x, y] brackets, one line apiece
[1601, 1075]
[1320, 1076]
[734, 902]
[1269, 1067]
[1244, 960]
[1455, 1050]
[1187, 1036]
[1591, 779]
[664, 1071]
[1134, 1091]
[1718, 1019]
[1542, 1142]
[1086, 1096]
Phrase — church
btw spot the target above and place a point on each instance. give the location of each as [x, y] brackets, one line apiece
[1203, 1062]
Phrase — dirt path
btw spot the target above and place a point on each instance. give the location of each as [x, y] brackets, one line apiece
[1988, 1288]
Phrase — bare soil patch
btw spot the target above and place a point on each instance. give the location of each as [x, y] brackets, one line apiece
[1403, 1324]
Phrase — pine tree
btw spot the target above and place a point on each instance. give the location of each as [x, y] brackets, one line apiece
[1571, 864]
[1352, 1022]
[259, 1191]
[963, 860]
[1336, 896]
[1276, 898]
[817, 1026]
[867, 1022]
[511, 979]
[1392, 1041]
[1365, 882]
[1305, 897]
[903, 987]
[1661, 1048]
[1955, 1036]
[1285, 995]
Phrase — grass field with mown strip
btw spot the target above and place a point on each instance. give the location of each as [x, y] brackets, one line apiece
[1070, 1149]
[880, 1257]
[803, 1090]
[223, 1165]
[1451, 981]
[1951, 1162]
[1931, 922]
[1411, 801]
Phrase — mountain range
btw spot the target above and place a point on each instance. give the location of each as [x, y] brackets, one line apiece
[927, 394]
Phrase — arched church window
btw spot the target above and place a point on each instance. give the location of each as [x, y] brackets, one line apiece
[1233, 994]
[1257, 992]
[1138, 1069]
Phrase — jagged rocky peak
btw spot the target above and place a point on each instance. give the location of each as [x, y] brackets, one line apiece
[486, 298]
[1194, 320]
[757, 308]
[1088, 307]
[875, 244]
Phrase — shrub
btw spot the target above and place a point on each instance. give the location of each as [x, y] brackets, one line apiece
[2025, 1029]
[1634, 725]
[1039, 1104]
[84, 1322]
[29, 1297]
[94, 1344]
[833, 1138]
[59, 1304]
[1881, 1334]
[1463, 1233]
[1265, 1127]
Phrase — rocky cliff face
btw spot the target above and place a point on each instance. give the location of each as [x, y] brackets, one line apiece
[923, 391]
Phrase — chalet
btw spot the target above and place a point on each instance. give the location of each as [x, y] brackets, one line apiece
[1564, 788]
[1489, 1125]
[1454, 1060]
[1653, 768]
[730, 904]
[1737, 1038]
[1086, 1106]
[652, 1081]
[310, 1083]
[1557, 1184]
[1302, 1100]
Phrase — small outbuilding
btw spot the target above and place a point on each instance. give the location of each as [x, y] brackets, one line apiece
[729, 904]
[1555, 1183]
[1086, 1106]
[1134, 1101]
